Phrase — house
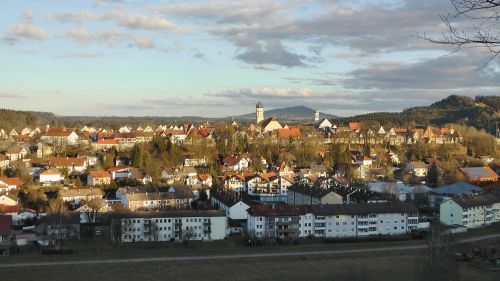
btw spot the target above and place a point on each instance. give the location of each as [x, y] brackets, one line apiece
[50, 175]
[323, 124]
[234, 182]
[15, 153]
[121, 172]
[72, 164]
[439, 195]
[418, 169]
[106, 145]
[193, 162]
[471, 211]
[359, 171]
[204, 179]
[236, 163]
[175, 198]
[80, 194]
[175, 225]
[7, 184]
[354, 126]
[331, 221]
[59, 136]
[90, 213]
[60, 227]
[299, 194]
[5, 234]
[99, 178]
[269, 125]
[44, 150]
[479, 174]
[233, 207]
[8, 200]
[4, 161]
[363, 160]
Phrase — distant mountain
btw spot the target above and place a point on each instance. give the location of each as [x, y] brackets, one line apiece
[295, 113]
[481, 112]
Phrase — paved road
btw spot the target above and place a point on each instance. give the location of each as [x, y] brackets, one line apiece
[237, 256]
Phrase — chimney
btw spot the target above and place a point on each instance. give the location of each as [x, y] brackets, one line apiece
[316, 115]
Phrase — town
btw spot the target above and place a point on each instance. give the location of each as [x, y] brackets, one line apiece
[259, 181]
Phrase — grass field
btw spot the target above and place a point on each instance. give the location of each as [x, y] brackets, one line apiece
[397, 266]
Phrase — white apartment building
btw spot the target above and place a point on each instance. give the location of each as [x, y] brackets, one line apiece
[174, 225]
[471, 211]
[332, 221]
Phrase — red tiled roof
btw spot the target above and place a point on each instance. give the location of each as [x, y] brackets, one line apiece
[12, 181]
[291, 132]
[67, 162]
[50, 171]
[99, 174]
[354, 125]
[107, 141]
[203, 177]
[58, 132]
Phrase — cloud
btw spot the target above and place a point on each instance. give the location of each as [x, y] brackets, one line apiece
[199, 55]
[80, 35]
[134, 21]
[455, 71]
[80, 55]
[272, 52]
[26, 29]
[144, 42]
[12, 96]
[110, 37]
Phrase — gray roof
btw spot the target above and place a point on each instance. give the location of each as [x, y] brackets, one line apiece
[172, 213]
[306, 189]
[478, 200]
[364, 208]
[456, 189]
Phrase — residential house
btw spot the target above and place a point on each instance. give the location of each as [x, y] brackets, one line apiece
[15, 153]
[363, 160]
[299, 194]
[233, 207]
[8, 200]
[175, 225]
[80, 194]
[175, 198]
[7, 184]
[5, 234]
[50, 175]
[234, 182]
[59, 136]
[71, 164]
[60, 227]
[44, 150]
[236, 163]
[418, 169]
[269, 125]
[4, 161]
[99, 178]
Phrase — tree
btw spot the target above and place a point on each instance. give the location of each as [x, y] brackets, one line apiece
[435, 175]
[439, 262]
[479, 30]
[92, 208]
[187, 234]
[57, 211]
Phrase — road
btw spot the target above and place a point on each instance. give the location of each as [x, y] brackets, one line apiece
[237, 256]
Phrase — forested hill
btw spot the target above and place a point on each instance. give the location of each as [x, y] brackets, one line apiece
[12, 119]
[481, 112]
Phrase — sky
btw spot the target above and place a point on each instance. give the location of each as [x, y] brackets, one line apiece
[219, 58]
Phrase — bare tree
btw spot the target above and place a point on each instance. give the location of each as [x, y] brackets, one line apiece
[92, 208]
[473, 23]
[438, 262]
[187, 234]
[57, 211]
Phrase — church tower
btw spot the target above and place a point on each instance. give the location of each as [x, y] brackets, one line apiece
[259, 112]
[316, 115]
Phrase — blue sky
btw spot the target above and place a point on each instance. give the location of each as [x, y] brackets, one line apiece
[218, 58]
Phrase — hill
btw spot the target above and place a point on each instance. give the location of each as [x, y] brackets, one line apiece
[13, 119]
[295, 113]
[481, 112]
